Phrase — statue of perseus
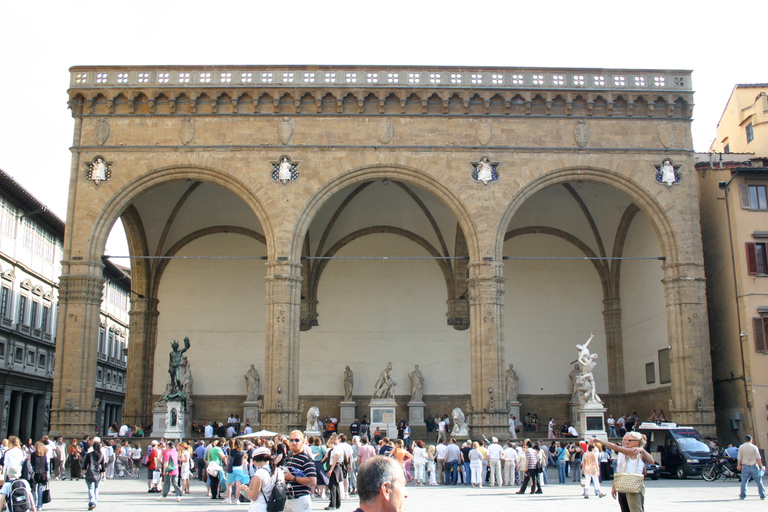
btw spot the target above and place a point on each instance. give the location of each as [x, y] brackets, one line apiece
[174, 363]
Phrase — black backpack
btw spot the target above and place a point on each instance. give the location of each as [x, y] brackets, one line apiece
[18, 499]
[276, 501]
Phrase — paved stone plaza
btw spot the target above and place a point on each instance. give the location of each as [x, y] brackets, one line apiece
[661, 496]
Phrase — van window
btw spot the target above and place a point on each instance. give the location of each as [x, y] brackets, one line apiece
[691, 441]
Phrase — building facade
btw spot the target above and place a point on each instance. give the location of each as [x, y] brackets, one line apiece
[743, 127]
[30, 265]
[306, 218]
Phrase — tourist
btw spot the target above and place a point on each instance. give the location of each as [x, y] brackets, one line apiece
[476, 465]
[551, 428]
[40, 473]
[14, 455]
[238, 463]
[335, 473]
[75, 452]
[318, 452]
[170, 471]
[509, 456]
[575, 455]
[466, 467]
[632, 459]
[381, 486]
[591, 470]
[531, 474]
[750, 464]
[494, 456]
[300, 475]
[185, 456]
[13, 475]
[403, 457]
[561, 457]
[215, 460]
[260, 489]
[59, 459]
[136, 460]
[419, 463]
[535, 422]
[95, 473]
[431, 464]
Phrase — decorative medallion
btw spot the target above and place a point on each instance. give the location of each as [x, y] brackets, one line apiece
[485, 171]
[285, 130]
[284, 170]
[98, 170]
[484, 132]
[581, 134]
[386, 132]
[101, 131]
[666, 135]
[667, 173]
[187, 130]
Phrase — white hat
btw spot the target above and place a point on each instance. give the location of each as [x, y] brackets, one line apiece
[97, 439]
[262, 450]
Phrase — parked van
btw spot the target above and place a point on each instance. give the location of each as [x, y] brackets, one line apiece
[679, 451]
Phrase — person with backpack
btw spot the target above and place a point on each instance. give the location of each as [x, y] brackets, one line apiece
[15, 494]
[95, 472]
[170, 469]
[267, 490]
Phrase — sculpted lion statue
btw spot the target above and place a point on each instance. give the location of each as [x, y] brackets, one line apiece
[312, 415]
[459, 423]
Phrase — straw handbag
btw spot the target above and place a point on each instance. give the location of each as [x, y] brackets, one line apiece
[628, 483]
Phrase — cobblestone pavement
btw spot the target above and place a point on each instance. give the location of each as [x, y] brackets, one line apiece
[664, 495]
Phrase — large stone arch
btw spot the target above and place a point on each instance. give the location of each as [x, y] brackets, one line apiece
[398, 172]
[645, 201]
[123, 198]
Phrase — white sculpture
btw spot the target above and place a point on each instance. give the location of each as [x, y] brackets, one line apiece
[417, 385]
[185, 376]
[459, 423]
[349, 381]
[668, 173]
[252, 384]
[385, 386]
[284, 171]
[312, 416]
[99, 171]
[585, 384]
[484, 171]
[512, 381]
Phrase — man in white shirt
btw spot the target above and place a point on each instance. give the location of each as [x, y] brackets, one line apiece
[208, 430]
[125, 430]
[572, 432]
[441, 453]
[248, 429]
[611, 426]
[231, 432]
[494, 462]
[441, 433]
[509, 455]
[750, 465]
[60, 457]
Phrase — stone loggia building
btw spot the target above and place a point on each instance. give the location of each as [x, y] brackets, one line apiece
[518, 209]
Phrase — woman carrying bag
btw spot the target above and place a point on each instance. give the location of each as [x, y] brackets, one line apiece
[262, 483]
[95, 473]
[628, 480]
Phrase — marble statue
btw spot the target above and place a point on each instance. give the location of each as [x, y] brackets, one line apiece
[349, 381]
[173, 370]
[459, 423]
[512, 382]
[252, 384]
[585, 384]
[668, 173]
[284, 171]
[99, 171]
[417, 385]
[385, 386]
[312, 416]
[185, 371]
[484, 171]
[574, 379]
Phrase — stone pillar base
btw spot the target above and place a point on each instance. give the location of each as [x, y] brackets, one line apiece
[252, 414]
[416, 414]
[383, 416]
[176, 421]
[347, 412]
[592, 421]
[488, 424]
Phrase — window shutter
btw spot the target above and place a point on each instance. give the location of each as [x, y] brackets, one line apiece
[759, 334]
[751, 259]
[744, 190]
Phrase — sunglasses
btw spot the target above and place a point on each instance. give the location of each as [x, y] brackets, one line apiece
[295, 440]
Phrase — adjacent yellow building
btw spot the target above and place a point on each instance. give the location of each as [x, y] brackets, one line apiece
[743, 127]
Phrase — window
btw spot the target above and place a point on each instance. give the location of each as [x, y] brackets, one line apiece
[665, 376]
[753, 197]
[33, 314]
[22, 309]
[99, 375]
[41, 360]
[750, 133]
[727, 148]
[44, 318]
[30, 358]
[4, 304]
[759, 327]
[2, 349]
[756, 258]
[650, 373]
[18, 355]
[101, 340]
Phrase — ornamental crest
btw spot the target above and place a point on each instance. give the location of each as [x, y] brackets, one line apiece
[485, 171]
[98, 170]
[284, 170]
[667, 173]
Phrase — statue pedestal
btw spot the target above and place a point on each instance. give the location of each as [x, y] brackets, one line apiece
[176, 424]
[575, 409]
[416, 414]
[315, 433]
[592, 421]
[347, 412]
[252, 414]
[383, 416]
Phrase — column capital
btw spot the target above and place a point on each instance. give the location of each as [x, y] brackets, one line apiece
[81, 289]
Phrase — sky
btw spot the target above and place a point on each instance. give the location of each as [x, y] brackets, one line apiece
[40, 41]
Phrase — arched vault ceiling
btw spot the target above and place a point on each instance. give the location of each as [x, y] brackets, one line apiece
[174, 210]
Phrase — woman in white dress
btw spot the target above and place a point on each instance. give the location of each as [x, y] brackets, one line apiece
[632, 459]
[476, 464]
[262, 483]
[419, 462]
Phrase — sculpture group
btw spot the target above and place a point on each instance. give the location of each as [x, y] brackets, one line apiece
[582, 378]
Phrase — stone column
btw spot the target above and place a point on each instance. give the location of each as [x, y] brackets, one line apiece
[690, 360]
[29, 416]
[15, 425]
[141, 350]
[614, 345]
[73, 411]
[486, 303]
[281, 369]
